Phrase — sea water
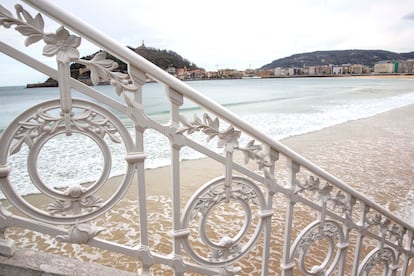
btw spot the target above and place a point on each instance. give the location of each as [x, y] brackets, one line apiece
[278, 107]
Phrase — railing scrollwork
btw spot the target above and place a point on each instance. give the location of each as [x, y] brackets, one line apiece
[229, 222]
[42, 123]
[229, 140]
[225, 249]
[317, 231]
[385, 257]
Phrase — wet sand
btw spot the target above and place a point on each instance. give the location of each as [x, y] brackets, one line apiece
[374, 155]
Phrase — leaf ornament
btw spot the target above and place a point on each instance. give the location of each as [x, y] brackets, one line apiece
[60, 43]
[29, 26]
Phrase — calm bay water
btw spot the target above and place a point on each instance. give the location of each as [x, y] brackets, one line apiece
[278, 107]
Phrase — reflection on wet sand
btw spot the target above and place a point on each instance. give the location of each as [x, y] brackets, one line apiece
[372, 155]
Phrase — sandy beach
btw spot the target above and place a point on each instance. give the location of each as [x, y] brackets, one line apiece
[374, 155]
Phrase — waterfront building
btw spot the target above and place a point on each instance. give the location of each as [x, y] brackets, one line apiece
[294, 71]
[406, 66]
[197, 73]
[171, 70]
[320, 70]
[336, 70]
[384, 67]
[358, 69]
[229, 73]
[277, 71]
[181, 73]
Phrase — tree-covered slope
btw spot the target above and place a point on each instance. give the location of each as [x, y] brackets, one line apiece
[366, 57]
[161, 58]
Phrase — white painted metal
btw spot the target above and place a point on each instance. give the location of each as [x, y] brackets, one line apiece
[338, 210]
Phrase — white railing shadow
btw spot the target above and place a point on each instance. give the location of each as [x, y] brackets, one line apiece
[282, 214]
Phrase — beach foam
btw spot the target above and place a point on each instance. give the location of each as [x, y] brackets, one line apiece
[67, 150]
[373, 155]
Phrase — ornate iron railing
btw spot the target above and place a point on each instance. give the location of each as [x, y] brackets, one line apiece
[293, 218]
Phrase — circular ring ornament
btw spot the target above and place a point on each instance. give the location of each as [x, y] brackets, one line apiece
[43, 122]
[385, 257]
[314, 232]
[208, 199]
[32, 159]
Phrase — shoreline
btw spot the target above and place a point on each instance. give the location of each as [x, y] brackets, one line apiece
[373, 155]
[372, 75]
[361, 152]
[385, 75]
[383, 132]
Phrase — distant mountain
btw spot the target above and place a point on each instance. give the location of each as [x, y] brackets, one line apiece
[366, 57]
[164, 58]
[161, 58]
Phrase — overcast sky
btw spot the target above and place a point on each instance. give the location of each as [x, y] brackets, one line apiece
[235, 34]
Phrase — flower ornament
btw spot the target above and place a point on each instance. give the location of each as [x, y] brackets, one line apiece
[229, 139]
[62, 44]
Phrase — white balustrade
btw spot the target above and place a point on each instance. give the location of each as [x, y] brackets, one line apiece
[335, 229]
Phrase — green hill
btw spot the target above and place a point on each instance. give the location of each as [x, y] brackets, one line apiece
[366, 57]
[161, 58]
[164, 58]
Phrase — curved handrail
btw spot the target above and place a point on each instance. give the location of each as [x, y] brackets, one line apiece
[119, 50]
